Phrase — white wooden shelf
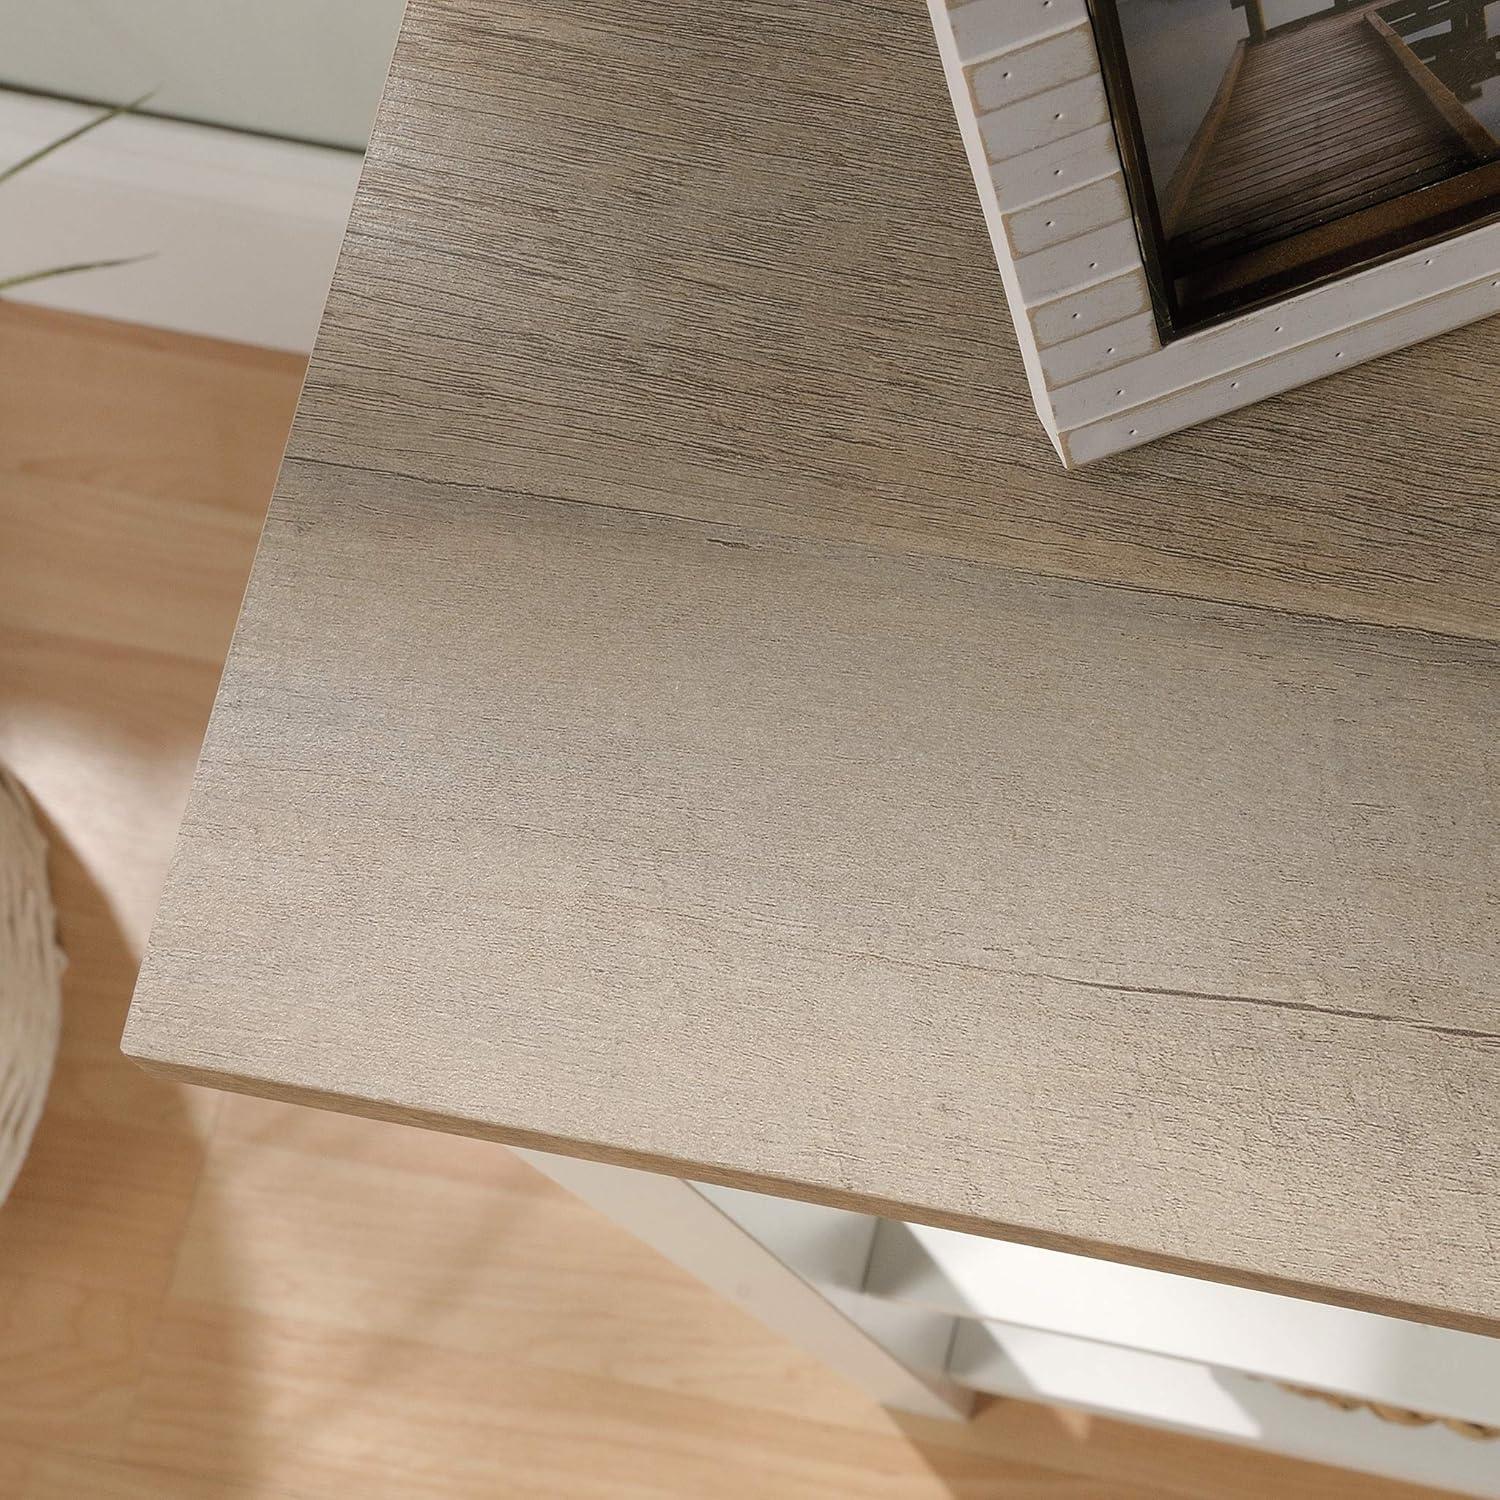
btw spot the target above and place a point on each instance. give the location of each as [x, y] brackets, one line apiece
[1210, 1402]
[925, 1318]
[1280, 1338]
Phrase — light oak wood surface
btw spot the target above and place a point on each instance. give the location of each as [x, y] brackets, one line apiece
[667, 724]
[210, 1298]
[768, 299]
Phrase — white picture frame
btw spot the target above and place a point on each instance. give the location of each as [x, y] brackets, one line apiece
[1028, 88]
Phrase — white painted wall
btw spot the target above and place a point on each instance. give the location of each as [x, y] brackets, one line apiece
[309, 69]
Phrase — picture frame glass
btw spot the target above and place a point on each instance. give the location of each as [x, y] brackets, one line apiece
[1274, 145]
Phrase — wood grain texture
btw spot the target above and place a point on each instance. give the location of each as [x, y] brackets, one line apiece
[1050, 910]
[632, 748]
[798, 327]
[333, 1288]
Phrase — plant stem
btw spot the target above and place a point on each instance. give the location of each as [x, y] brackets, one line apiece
[43, 152]
[8, 283]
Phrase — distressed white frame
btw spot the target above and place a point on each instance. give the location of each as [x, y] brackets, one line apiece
[1029, 93]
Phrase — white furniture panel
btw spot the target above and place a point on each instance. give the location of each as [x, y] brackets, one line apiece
[1282, 1338]
[870, 1345]
[924, 1318]
[1215, 1403]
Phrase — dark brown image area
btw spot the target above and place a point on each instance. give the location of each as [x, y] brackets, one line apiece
[1280, 142]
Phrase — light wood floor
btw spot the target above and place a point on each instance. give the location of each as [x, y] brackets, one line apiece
[206, 1297]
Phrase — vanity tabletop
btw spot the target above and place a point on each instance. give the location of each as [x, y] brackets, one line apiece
[683, 715]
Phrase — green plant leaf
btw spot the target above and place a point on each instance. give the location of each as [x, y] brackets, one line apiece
[86, 128]
[8, 283]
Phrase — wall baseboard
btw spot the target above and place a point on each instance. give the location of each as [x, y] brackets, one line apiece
[243, 232]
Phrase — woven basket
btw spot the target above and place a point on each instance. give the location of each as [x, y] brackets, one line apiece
[30, 979]
[1401, 1416]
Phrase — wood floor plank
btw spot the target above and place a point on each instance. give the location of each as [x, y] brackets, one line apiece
[248, 1121]
[105, 737]
[408, 1257]
[98, 488]
[16, 1468]
[90, 410]
[1123, 1453]
[203, 555]
[424, 1423]
[63, 1476]
[70, 1361]
[101, 1205]
[107, 673]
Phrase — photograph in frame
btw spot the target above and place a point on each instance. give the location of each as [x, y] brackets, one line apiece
[1199, 204]
[1279, 143]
